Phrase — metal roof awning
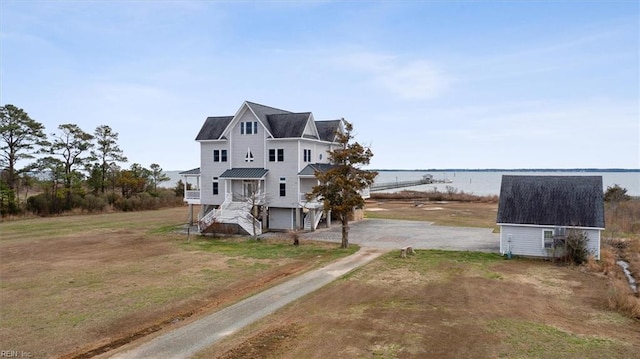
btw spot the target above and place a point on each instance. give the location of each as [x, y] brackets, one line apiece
[192, 172]
[310, 169]
[245, 173]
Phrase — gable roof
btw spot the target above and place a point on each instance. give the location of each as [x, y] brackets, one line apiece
[262, 111]
[213, 128]
[552, 200]
[327, 129]
[288, 125]
[278, 123]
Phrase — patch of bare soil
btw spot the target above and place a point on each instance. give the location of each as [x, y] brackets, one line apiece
[509, 309]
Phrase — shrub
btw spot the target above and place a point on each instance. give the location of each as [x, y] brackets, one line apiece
[576, 245]
[93, 203]
[43, 204]
[616, 194]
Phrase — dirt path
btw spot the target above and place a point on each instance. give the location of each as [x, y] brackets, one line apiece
[188, 340]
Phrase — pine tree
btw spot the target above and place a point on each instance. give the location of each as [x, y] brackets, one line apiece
[340, 186]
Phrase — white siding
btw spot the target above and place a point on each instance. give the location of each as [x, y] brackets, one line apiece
[287, 169]
[210, 169]
[241, 143]
[528, 240]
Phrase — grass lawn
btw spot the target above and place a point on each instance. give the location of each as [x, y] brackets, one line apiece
[72, 284]
[440, 304]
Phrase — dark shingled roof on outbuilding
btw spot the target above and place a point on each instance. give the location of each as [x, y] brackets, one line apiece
[213, 128]
[552, 200]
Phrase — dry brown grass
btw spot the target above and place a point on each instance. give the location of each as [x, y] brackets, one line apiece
[435, 195]
[622, 219]
[440, 304]
[444, 213]
[619, 296]
[73, 284]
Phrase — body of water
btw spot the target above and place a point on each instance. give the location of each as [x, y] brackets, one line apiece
[484, 183]
[481, 183]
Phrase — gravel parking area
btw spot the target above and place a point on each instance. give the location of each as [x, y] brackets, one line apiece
[392, 234]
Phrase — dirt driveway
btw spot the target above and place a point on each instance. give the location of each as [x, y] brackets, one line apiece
[392, 234]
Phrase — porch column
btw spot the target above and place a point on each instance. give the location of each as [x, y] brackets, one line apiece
[312, 219]
[298, 223]
[190, 220]
[202, 211]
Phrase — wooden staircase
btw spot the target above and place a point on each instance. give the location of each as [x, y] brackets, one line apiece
[307, 220]
[238, 213]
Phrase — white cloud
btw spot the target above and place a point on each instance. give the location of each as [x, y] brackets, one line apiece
[407, 79]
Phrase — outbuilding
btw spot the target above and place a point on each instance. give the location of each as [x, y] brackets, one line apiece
[535, 213]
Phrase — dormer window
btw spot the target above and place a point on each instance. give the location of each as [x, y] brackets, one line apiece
[249, 128]
[249, 156]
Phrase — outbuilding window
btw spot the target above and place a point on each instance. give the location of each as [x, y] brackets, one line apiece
[547, 238]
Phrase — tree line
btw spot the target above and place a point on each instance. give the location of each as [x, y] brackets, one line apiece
[71, 169]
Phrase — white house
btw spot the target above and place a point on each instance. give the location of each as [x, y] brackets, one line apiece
[257, 166]
[535, 213]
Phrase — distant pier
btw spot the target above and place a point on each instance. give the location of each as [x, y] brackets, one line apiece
[426, 179]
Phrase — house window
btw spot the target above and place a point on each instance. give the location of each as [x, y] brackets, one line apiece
[215, 185]
[276, 155]
[248, 128]
[307, 155]
[283, 186]
[219, 155]
[547, 238]
[249, 156]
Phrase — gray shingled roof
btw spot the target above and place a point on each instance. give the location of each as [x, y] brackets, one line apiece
[253, 173]
[311, 169]
[280, 123]
[552, 200]
[213, 128]
[262, 111]
[327, 129]
[288, 125]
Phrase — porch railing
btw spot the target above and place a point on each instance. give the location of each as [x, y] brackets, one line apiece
[191, 194]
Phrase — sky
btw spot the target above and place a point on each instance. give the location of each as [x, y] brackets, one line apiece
[426, 84]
